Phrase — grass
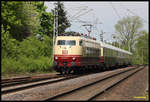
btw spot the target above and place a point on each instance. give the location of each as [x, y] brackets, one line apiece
[26, 66]
[11, 75]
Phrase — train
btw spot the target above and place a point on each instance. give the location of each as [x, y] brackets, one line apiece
[78, 52]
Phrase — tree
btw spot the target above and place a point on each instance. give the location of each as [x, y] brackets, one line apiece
[63, 22]
[19, 18]
[11, 18]
[46, 24]
[115, 43]
[128, 30]
[30, 19]
[142, 49]
[46, 19]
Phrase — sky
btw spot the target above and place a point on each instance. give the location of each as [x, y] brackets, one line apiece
[102, 15]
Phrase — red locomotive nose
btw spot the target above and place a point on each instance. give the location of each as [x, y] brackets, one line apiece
[67, 59]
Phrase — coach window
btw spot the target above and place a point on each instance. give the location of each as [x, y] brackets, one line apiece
[118, 53]
[106, 52]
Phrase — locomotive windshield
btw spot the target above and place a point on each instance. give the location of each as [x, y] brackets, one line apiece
[66, 42]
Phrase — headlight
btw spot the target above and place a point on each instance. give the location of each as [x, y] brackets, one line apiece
[73, 58]
[56, 58]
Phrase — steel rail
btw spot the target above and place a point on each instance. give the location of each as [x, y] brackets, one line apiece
[111, 86]
[37, 82]
[25, 81]
[34, 84]
[89, 84]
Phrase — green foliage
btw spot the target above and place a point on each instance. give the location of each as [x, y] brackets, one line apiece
[46, 24]
[9, 45]
[141, 53]
[30, 19]
[128, 30]
[33, 47]
[39, 64]
[21, 50]
[11, 18]
[46, 19]
[21, 17]
[10, 65]
[26, 64]
[116, 44]
[33, 56]
[39, 6]
[132, 38]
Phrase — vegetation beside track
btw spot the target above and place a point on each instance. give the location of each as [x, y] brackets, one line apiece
[30, 56]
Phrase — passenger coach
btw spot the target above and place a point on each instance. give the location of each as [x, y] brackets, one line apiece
[112, 56]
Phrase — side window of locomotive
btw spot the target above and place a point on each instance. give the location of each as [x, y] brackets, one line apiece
[80, 42]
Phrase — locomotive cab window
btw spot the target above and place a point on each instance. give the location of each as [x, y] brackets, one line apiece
[80, 42]
[66, 42]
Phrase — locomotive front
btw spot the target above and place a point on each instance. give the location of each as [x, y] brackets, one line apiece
[67, 53]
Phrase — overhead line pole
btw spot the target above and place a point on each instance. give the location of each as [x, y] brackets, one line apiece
[56, 20]
[101, 35]
[90, 26]
[55, 29]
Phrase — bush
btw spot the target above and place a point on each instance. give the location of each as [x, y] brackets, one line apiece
[41, 64]
[30, 55]
[10, 65]
[10, 46]
[33, 47]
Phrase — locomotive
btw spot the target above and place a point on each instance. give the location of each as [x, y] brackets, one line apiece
[75, 53]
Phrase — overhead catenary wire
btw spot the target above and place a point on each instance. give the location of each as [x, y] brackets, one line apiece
[82, 11]
[136, 15]
[133, 13]
[76, 16]
[115, 10]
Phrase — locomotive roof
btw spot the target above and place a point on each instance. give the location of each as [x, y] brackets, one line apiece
[80, 37]
[114, 48]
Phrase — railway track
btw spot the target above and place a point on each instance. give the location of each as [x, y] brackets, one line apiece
[21, 86]
[91, 90]
[28, 79]
[18, 84]
[30, 84]
[24, 80]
